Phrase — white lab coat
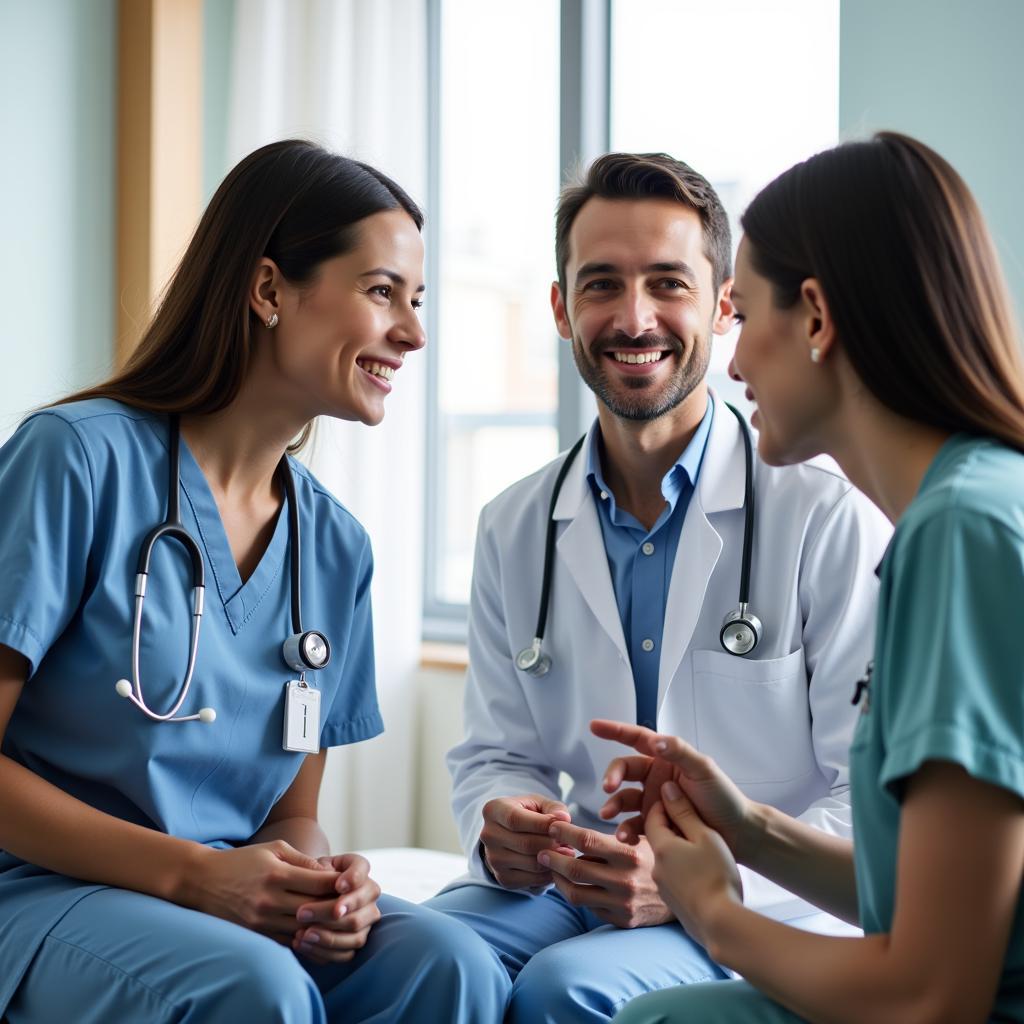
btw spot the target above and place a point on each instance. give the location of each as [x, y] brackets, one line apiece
[779, 721]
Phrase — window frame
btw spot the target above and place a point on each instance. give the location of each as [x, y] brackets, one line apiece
[584, 133]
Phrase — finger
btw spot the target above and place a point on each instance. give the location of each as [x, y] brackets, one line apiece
[355, 870]
[593, 897]
[586, 840]
[287, 853]
[658, 829]
[624, 800]
[308, 882]
[332, 911]
[556, 809]
[524, 843]
[681, 811]
[517, 818]
[626, 769]
[514, 878]
[630, 830]
[621, 732]
[578, 870]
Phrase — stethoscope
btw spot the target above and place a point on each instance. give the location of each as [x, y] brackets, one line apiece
[303, 651]
[741, 629]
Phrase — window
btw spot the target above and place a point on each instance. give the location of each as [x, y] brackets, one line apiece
[739, 89]
[494, 366]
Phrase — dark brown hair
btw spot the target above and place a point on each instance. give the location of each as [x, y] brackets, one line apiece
[290, 201]
[901, 250]
[647, 176]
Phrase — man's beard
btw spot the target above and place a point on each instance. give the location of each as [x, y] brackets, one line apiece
[647, 402]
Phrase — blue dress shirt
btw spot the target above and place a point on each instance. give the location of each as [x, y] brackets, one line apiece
[641, 560]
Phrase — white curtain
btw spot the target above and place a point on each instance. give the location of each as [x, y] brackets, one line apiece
[351, 75]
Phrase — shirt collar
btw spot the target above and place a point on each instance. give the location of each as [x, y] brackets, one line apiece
[684, 471]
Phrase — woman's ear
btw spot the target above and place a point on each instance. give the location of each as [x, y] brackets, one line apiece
[264, 290]
[816, 316]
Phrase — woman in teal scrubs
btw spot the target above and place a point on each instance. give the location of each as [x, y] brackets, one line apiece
[876, 329]
[174, 870]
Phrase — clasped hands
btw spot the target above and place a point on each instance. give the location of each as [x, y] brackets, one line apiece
[675, 857]
[322, 907]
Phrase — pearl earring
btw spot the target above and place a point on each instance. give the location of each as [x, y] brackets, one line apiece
[272, 320]
[815, 355]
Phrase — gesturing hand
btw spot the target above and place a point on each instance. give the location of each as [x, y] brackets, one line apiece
[718, 800]
[693, 868]
[515, 831]
[334, 929]
[612, 879]
[260, 887]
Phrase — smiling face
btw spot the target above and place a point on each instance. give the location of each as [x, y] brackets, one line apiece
[341, 340]
[796, 397]
[639, 306]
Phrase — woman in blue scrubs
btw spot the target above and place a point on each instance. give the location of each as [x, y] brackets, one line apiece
[174, 870]
[876, 329]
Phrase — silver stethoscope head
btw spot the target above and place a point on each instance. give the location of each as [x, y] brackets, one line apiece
[305, 652]
[741, 631]
[533, 660]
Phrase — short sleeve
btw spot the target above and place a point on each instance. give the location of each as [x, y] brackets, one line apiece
[951, 671]
[354, 714]
[45, 534]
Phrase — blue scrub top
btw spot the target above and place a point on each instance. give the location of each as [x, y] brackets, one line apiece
[83, 483]
[948, 676]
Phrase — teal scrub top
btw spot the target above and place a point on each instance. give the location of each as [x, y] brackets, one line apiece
[948, 676]
[82, 484]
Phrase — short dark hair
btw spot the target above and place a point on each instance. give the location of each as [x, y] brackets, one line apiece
[647, 176]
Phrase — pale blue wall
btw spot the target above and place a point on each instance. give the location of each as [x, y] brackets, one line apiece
[218, 26]
[951, 73]
[57, 123]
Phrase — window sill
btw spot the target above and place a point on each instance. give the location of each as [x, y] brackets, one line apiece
[444, 657]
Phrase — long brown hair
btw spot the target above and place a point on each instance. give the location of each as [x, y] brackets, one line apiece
[290, 201]
[904, 257]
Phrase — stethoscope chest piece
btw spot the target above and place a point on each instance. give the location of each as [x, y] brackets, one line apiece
[741, 631]
[533, 660]
[305, 652]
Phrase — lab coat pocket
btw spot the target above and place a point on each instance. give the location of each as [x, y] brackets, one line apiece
[753, 717]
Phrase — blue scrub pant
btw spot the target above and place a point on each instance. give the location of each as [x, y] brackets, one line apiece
[568, 966]
[726, 1002]
[122, 956]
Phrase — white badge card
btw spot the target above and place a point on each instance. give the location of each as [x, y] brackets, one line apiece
[301, 717]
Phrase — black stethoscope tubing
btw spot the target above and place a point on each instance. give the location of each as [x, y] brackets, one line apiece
[740, 630]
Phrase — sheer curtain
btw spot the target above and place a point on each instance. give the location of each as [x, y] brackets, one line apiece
[351, 75]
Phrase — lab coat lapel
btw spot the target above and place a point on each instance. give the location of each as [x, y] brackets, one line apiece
[581, 546]
[720, 486]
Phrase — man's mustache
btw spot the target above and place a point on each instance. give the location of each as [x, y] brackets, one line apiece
[621, 340]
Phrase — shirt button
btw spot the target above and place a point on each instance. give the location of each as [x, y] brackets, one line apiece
[604, 495]
[648, 548]
[648, 644]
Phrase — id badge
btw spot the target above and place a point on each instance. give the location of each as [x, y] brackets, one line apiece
[301, 717]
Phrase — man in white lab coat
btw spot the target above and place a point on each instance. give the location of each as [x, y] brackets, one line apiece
[646, 566]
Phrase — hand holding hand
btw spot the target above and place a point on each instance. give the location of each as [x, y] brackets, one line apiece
[718, 800]
[260, 887]
[515, 831]
[694, 869]
[333, 930]
[612, 879]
